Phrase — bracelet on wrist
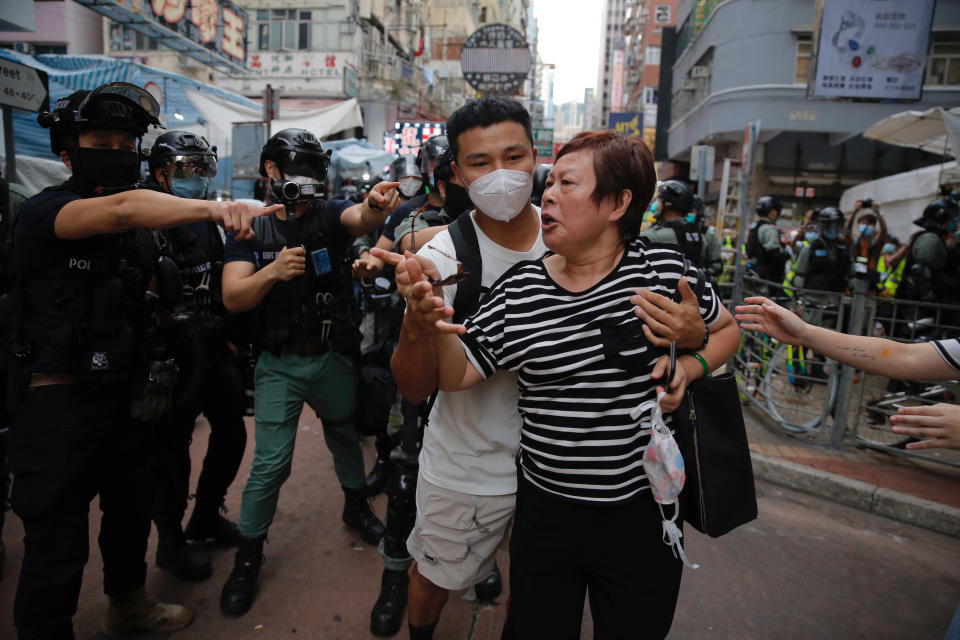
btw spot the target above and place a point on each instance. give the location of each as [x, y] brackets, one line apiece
[703, 363]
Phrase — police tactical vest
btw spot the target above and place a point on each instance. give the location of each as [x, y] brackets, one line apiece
[317, 308]
[200, 273]
[828, 266]
[689, 238]
[85, 313]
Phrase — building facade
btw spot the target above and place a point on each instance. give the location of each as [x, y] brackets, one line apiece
[726, 76]
[610, 88]
[643, 26]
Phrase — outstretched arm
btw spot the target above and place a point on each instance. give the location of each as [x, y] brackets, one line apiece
[148, 209]
[905, 361]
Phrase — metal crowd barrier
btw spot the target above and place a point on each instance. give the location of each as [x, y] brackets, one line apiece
[804, 393]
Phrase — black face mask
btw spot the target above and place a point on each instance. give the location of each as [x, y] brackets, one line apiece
[457, 200]
[105, 171]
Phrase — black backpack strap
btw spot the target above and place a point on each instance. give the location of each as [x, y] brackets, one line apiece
[467, 248]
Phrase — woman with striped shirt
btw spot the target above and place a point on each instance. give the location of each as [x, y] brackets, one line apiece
[586, 522]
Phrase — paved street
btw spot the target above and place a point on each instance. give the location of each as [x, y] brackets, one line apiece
[806, 569]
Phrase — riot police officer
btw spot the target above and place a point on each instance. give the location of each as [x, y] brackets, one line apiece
[824, 263]
[676, 221]
[925, 275]
[295, 272]
[76, 332]
[183, 163]
[765, 248]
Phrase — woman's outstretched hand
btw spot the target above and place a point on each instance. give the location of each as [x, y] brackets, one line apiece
[763, 315]
[940, 423]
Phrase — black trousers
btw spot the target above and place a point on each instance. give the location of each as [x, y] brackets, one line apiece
[221, 399]
[67, 444]
[562, 551]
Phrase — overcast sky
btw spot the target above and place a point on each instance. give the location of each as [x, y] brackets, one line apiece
[570, 38]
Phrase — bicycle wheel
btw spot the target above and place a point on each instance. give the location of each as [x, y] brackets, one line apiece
[874, 425]
[798, 389]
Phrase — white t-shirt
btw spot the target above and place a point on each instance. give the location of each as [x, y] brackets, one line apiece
[471, 440]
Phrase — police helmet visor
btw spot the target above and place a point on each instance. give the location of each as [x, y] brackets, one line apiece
[124, 91]
[304, 163]
[191, 166]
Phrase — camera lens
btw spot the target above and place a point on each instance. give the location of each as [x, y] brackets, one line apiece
[291, 191]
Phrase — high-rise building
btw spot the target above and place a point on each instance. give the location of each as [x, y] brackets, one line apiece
[644, 21]
[610, 89]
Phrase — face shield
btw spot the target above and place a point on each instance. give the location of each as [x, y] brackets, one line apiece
[191, 166]
[104, 99]
[307, 164]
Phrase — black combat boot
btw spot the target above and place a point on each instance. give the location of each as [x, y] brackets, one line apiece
[357, 515]
[183, 560]
[387, 614]
[237, 595]
[378, 476]
[206, 523]
[490, 587]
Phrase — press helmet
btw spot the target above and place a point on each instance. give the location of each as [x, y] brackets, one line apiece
[115, 105]
[297, 152]
[676, 195]
[766, 204]
[938, 214]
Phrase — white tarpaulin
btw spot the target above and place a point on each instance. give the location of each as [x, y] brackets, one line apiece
[36, 174]
[936, 130]
[903, 196]
[220, 115]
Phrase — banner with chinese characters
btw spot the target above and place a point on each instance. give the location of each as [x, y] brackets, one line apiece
[409, 136]
[315, 64]
[871, 49]
[218, 24]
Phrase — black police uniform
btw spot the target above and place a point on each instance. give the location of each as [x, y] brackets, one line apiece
[210, 383]
[83, 320]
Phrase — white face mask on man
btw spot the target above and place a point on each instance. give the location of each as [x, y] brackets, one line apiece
[501, 194]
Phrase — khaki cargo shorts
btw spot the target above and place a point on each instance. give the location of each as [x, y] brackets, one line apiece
[456, 535]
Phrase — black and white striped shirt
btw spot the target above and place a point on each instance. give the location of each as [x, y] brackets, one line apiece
[949, 350]
[583, 367]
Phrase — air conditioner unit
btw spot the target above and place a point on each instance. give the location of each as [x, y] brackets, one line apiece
[689, 84]
[699, 72]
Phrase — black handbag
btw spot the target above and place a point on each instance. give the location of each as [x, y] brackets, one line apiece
[719, 493]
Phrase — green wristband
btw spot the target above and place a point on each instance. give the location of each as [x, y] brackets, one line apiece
[703, 363]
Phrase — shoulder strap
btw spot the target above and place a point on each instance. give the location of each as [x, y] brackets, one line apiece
[467, 247]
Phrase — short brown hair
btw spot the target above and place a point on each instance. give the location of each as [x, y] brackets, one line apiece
[620, 163]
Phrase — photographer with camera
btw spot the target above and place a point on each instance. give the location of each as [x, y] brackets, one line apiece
[198, 332]
[296, 274]
[866, 233]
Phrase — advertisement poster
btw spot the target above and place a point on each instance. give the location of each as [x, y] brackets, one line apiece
[872, 49]
[629, 123]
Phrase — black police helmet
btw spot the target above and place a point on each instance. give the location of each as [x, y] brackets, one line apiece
[432, 149]
[181, 146]
[115, 105]
[540, 183]
[766, 204]
[697, 206]
[676, 195]
[830, 216]
[297, 152]
[404, 167]
[937, 214]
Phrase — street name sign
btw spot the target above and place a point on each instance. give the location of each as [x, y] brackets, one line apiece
[23, 87]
